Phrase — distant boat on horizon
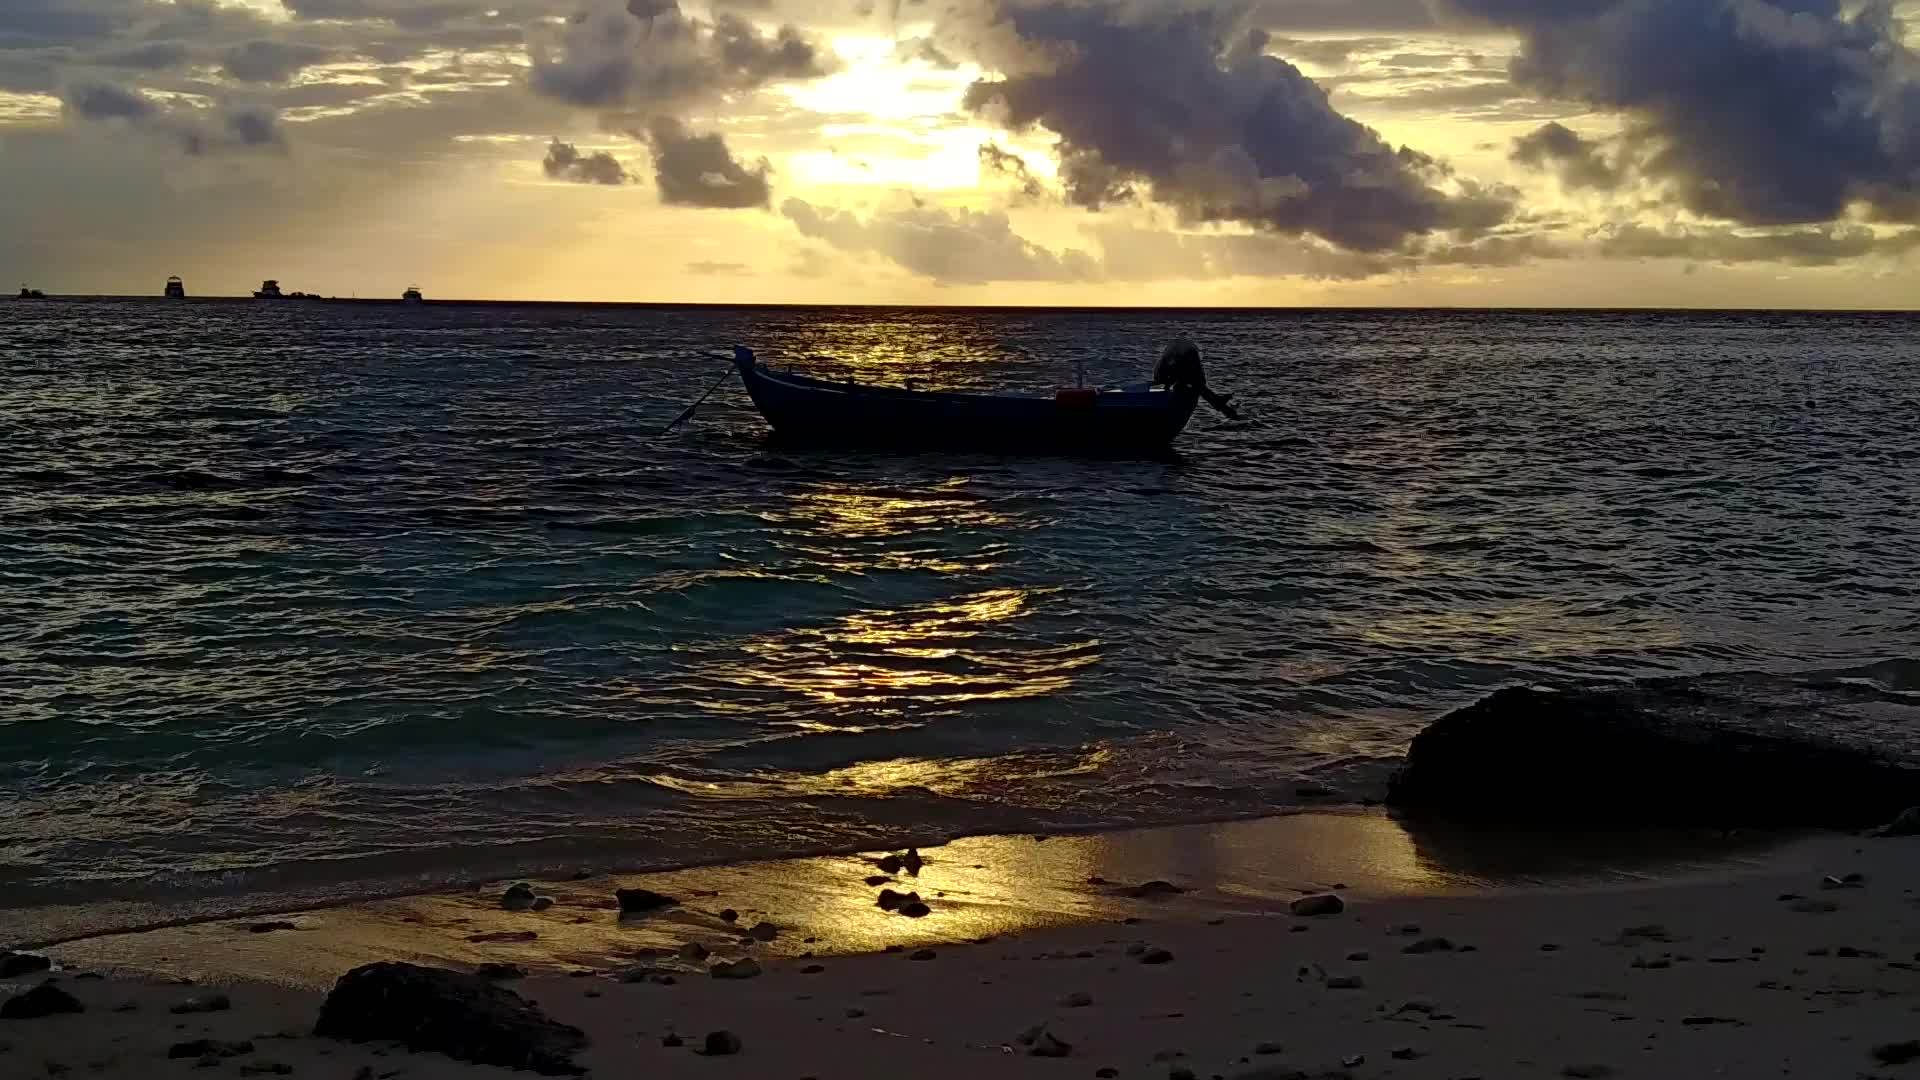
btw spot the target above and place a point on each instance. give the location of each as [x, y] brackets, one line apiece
[412, 295]
[30, 294]
[270, 290]
[176, 289]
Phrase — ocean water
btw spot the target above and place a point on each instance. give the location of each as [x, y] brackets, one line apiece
[317, 600]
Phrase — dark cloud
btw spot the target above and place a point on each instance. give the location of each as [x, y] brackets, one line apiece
[564, 161]
[1190, 109]
[607, 57]
[950, 246]
[270, 61]
[1578, 162]
[193, 131]
[1006, 163]
[699, 170]
[1800, 247]
[106, 101]
[1762, 112]
[146, 56]
[1295, 16]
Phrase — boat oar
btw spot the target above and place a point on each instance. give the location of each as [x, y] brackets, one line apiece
[687, 413]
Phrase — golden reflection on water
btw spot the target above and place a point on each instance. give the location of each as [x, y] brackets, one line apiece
[922, 653]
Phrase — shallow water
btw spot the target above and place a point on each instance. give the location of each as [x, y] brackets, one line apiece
[329, 599]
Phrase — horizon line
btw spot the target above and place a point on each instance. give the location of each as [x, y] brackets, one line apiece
[788, 304]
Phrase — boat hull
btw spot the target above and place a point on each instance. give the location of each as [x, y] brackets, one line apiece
[818, 412]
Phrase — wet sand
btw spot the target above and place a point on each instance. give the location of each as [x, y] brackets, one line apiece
[1458, 954]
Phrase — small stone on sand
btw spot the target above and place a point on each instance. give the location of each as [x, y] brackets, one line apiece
[518, 897]
[200, 1048]
[204, 1003]
[764, 932]
[43, 1000]
[1345, 982]
[1079, 999]
[923, 954]
[721, 1044]
[813, 969]
[1156, 956]
[270, 927]
[1428, 945]
[1317, 905]
[641, 901]
[1897, 1053]
[729, 915]
[915, 909]
[744, 968]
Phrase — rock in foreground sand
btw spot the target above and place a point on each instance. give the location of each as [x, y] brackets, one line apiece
[462, 1016]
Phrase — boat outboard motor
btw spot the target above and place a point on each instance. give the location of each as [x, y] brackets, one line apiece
[1180, 368]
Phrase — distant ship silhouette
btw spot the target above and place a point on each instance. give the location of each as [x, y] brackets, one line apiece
[176, 290]
[412, 295]
[270, 290]
[30, 294]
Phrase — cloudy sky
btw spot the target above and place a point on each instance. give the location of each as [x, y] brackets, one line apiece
[1735, 153]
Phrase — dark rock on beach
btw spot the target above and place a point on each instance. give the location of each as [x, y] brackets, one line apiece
[270, 927]
[500, 972]
[15, 964]
[462, 1016]
[1829, 749]
[43, 1000]
[721, 1044]
[915, 909]
[641, 901]
[203, 1003]
[204, 1048]
[1151, 890]
[1321, 904]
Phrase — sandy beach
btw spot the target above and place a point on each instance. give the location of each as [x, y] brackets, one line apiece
[1625, 956]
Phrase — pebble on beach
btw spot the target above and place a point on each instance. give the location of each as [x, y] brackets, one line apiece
[14, 964]
[204, 1003]
[518, 897]
[744, 968]
[720, 1044]
[1317, 905]
[765, 931]
[641, 901]
[43, 1000]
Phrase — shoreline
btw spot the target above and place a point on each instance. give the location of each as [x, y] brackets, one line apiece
[982, 885]
[1624, 955]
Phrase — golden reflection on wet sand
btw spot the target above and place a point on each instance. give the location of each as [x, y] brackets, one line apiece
[977, 888]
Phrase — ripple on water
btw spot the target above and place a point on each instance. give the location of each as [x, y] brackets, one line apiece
[332, 598]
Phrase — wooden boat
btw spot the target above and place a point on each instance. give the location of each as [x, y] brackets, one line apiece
[808, 410]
